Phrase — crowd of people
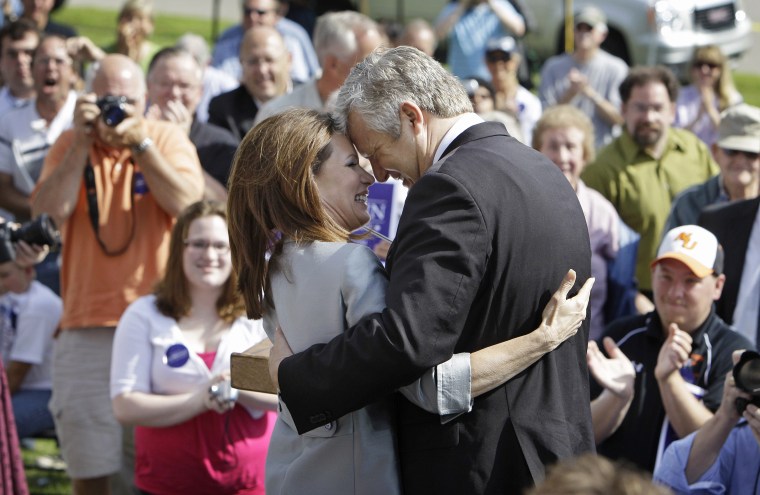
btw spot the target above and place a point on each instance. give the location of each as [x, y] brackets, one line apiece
[571, 282]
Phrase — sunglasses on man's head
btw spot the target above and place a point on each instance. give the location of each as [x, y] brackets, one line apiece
[498, 56]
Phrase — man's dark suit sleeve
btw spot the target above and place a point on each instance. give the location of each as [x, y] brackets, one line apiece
[437, 266]
[216, 113]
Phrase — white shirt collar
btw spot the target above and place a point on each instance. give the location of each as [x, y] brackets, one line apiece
[463, 123]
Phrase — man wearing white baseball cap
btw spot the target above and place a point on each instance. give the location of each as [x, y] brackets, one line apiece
[663, 373]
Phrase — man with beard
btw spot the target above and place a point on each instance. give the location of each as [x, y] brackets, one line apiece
[641, 171]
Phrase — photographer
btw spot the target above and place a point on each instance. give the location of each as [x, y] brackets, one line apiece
[29, 316]
[722, 457]
[113, 184]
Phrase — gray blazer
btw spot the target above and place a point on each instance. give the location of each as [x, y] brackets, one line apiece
[318, 290]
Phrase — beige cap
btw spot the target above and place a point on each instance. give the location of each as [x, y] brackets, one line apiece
[739, 128]
[693, 246]
[592, 16]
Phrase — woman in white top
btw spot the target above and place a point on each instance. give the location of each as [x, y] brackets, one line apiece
[296, 193]
[170, 371]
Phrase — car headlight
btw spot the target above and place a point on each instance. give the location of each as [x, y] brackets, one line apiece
[666, 18]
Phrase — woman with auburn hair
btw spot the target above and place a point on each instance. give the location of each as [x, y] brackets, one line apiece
[711, 91]
[297, 191]
[170, 370]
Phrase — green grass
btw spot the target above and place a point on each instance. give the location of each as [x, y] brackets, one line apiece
[44, 481]
[100, 25]
[749, 86]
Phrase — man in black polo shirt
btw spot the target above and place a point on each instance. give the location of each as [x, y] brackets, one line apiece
[664, 375]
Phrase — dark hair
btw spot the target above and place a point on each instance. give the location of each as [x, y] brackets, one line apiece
[172, 291]
[642, 75]
[167, 52]
[16, 30]
[472, 83]
[273, 196]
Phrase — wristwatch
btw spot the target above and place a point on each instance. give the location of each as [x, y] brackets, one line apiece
[144, 145]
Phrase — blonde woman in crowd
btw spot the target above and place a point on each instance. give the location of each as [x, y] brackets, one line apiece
[711, 91]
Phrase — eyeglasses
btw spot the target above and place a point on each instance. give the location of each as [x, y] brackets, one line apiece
[498, 56]
[247, 11]
[45, 61]
[704, 63]
[749, 155]
[203, 245]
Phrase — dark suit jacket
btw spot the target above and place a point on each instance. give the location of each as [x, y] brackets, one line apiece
[732, 225]
[216, 148]
[234, 111]
[486, 236]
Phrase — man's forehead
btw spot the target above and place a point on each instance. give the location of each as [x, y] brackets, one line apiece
[674, 266]
[358, 131]
[649, 90]
[52, 45]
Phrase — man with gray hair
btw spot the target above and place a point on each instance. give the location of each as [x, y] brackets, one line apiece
[341, 39]
[489, 227]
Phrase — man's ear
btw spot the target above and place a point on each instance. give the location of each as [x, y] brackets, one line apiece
[720, 280]
[410, 113]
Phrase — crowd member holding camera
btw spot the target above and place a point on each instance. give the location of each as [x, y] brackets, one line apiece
[29, 316]
[26, 134]
[170, 370]
[722, 457]
[663, 377]
[113, 184]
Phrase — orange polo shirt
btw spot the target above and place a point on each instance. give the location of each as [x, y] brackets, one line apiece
[96, 288]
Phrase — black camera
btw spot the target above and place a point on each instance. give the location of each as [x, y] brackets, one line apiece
[113, 109]
[747, 378]
[40, 231]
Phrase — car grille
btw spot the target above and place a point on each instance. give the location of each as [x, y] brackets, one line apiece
[715, 18]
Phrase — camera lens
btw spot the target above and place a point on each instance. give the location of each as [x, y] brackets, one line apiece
[112, 109]
[113, 115]
[40, 231]
[747, 377]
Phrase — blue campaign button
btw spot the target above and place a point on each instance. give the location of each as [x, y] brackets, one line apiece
[140, 185]
[176, 355]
